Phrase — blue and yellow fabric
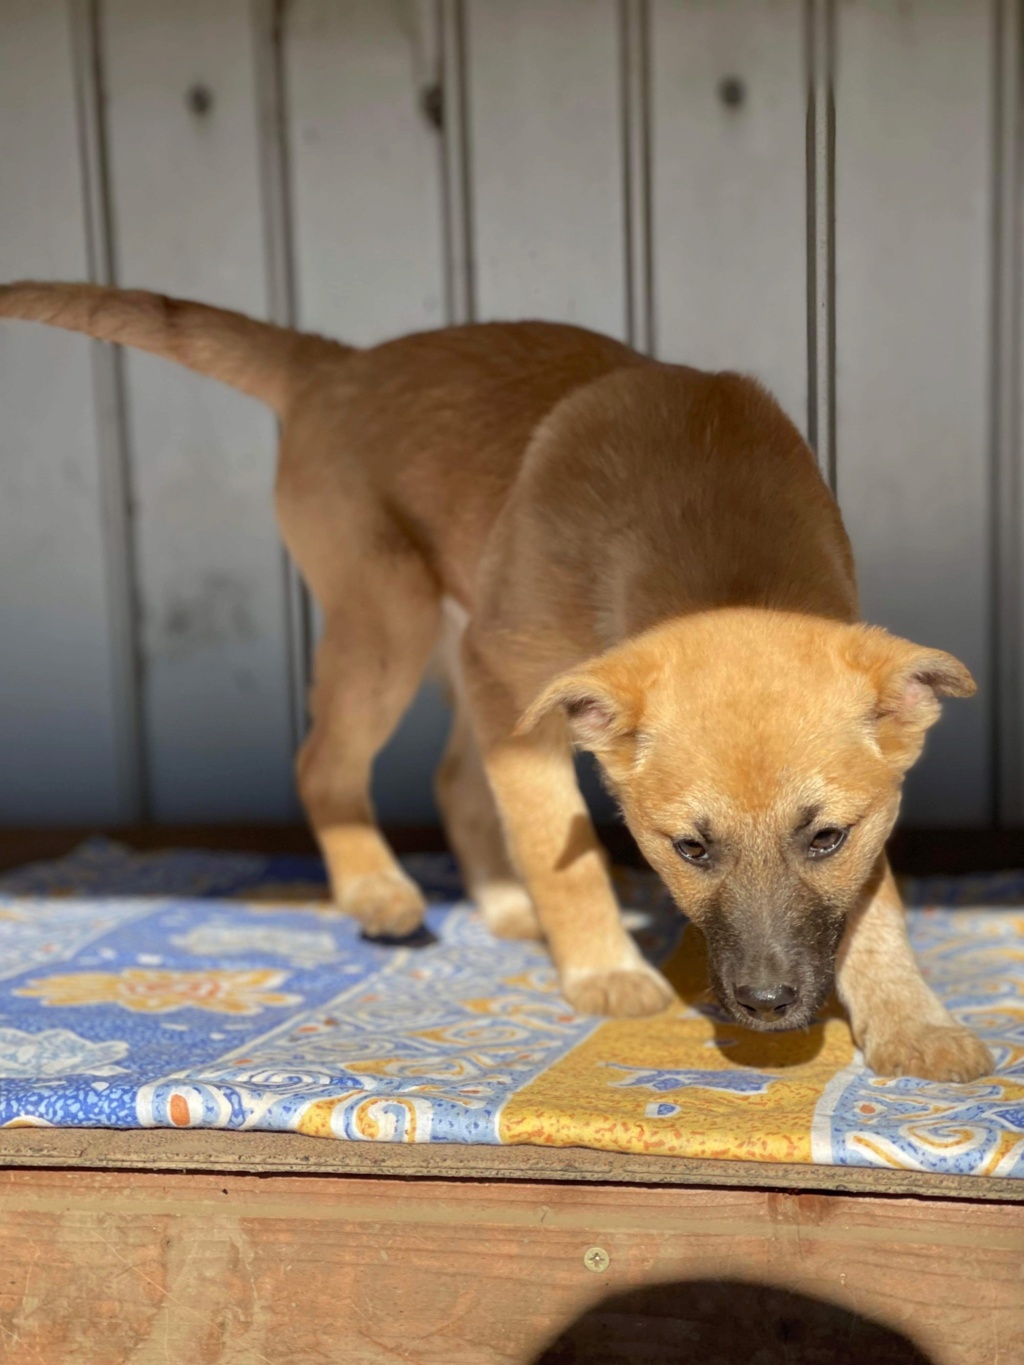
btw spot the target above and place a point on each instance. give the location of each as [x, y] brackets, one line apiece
[212, 990]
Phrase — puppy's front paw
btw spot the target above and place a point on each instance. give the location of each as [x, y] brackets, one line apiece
[625, 992]
[386, 904]
[932, 1052]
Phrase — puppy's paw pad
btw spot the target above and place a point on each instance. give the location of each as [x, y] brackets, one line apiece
[943, 1052]
[508, 911]
[621, 993]
[386, 904]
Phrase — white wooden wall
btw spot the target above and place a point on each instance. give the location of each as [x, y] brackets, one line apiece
[822, 192]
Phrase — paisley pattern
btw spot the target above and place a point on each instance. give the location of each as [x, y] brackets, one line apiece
[197, 989]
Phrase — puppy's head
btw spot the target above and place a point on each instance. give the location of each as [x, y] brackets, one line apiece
[758, 759]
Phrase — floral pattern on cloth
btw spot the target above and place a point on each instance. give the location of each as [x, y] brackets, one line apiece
[192, 989]
[56, 1052]
[147, 990]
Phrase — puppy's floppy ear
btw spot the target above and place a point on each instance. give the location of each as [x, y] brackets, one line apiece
[910, 694]
[599, 713]
[908, 681]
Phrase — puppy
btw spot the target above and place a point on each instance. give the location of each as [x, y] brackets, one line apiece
[636, 558]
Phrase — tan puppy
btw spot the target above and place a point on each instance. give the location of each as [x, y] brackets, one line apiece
[640, 558]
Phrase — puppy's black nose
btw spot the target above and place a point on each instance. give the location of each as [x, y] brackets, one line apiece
[765, 1002]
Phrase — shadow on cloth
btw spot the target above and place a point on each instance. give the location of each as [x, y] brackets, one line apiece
[726, 1322]
[688, 973]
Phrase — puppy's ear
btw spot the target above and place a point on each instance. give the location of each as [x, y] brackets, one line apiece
[600, 714]
[909, 681]
[910, 694]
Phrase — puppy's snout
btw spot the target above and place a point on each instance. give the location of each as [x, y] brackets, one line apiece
[768, 1002]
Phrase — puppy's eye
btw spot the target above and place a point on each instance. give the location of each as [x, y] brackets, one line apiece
[826, 841]
[692, 850]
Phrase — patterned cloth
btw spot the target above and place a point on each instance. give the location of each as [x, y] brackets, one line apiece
[215, 990]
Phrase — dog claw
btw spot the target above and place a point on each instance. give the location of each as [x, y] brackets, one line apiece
[386, 904]
[943, 1052]
[621, 993]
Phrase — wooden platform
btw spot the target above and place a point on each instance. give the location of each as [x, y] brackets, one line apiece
[221, 1247]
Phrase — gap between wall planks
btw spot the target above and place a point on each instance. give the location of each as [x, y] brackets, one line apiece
[684, 264]
[113, 451]
[277, 1267]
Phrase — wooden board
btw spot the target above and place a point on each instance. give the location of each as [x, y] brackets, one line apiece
[58, 704]
[103, 1268]
[295, 1153]
[729, 226]
[367, 218]
[365, 168]
[546, 169]
[913, 260]
[187, 218]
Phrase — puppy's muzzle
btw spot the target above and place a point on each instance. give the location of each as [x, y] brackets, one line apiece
[779, 977]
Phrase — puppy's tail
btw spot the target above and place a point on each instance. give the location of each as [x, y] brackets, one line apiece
[256, 357]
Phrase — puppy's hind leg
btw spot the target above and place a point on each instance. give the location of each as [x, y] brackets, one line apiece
[379, 630]
[469, 811]
[477, 838]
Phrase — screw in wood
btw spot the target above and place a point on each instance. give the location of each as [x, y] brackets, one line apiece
[597, 1259]
[732, 91]
[432, 106]
[199, 99]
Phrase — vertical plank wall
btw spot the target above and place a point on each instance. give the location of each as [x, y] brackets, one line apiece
[913, 272]
[546, 161]
[370, 265]
[728, 162]
[58, 692]
[546, 171]
[186, 220]
[637, 166]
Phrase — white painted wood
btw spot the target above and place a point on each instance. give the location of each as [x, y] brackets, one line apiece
[729, 209]
[546, 171]
[548, 88]
[913, 194]
[58, 726]
[1008, 419]
[187, 218]
[268, 33]
[115, 475]
[365, 162]
[368, 223]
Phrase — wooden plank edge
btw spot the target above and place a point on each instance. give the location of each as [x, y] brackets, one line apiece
[295, 1153]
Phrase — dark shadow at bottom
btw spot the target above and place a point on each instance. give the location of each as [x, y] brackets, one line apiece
[726, 1322]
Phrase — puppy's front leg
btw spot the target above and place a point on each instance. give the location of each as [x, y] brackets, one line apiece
[557, 852]
[897, 1021]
